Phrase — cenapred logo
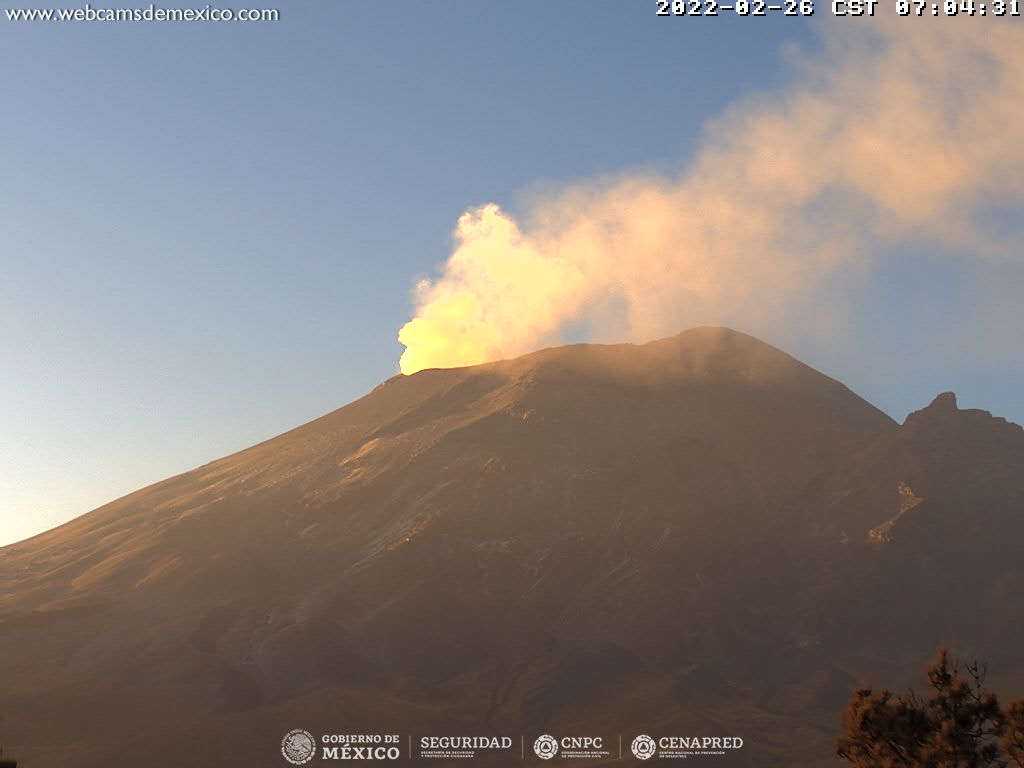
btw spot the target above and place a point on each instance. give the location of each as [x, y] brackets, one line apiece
[546, 747]
[298, 746]
[680, 747]
[643, 747]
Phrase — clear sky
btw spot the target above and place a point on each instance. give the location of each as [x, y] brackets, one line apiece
[210, 233]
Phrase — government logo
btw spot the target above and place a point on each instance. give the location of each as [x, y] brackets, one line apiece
[298, 747]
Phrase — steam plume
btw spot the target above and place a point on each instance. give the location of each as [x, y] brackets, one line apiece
[899, 131]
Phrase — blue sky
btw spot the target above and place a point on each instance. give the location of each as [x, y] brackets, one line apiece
[210, 232]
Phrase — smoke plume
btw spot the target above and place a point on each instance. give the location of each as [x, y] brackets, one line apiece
[904, 131]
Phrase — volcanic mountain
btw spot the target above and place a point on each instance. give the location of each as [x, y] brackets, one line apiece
[697, 536]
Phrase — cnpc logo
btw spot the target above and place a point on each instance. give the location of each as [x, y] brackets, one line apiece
[547, 746]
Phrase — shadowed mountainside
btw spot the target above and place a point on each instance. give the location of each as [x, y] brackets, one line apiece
[700, 535]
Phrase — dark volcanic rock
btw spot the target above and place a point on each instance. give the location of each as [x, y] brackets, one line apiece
[696, 535]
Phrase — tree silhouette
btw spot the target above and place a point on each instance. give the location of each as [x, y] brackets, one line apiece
[959, 724]
[1012, 731]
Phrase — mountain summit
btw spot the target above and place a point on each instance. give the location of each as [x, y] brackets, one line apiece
[700, 532]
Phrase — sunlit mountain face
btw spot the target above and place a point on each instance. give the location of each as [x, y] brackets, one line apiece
[698, 535]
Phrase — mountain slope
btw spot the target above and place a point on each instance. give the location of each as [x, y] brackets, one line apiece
[619, 537]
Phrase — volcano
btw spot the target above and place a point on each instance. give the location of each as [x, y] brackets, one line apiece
[696, 536]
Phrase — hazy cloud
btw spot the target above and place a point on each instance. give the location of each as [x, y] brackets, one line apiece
[907, 130]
